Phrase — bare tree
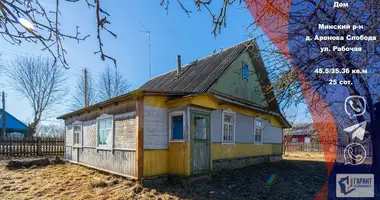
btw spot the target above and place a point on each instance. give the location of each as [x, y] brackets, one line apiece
[40, 83]
[32, 21]
[79, 95]
[111, 84]
[51, 130]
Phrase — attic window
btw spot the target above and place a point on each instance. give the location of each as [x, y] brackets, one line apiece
[245, 71]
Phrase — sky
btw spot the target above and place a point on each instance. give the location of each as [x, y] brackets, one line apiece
[172, 33]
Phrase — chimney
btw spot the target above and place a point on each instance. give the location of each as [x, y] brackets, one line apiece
[178, 64]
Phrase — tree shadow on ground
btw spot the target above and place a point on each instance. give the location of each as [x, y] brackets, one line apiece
[294, 179]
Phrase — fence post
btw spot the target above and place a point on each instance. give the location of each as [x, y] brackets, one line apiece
[39, 146]
[10, 146]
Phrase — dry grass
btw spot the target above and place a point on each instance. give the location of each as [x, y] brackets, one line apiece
[69, 181]
[313, 156]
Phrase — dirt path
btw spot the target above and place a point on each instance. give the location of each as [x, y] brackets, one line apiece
[294, 180]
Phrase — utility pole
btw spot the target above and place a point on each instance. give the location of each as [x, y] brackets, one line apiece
[3, 116]
[85, 88]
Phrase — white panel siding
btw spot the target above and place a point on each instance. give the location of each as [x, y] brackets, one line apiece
[68, 153]
[125, 133]
[216, 126]
[69, 135]
[122, 162]
[272, 134]
[244, 129]
[155, 128]
[89, 133]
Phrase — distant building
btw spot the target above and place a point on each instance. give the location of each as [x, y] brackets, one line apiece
[300, 133]
[14, 127]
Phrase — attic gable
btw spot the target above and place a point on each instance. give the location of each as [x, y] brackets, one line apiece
[242, 80]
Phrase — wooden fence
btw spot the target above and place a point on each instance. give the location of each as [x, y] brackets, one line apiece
[31, 146]
[316, 147]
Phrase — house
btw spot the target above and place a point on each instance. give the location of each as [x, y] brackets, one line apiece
[300, 133]
[14, 127]
[208, 115]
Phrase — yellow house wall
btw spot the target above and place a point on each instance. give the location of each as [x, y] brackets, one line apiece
[176, 160]
[243, 150]
[179, 158]
[155, 162]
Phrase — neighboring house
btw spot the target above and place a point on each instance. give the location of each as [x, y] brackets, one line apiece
[207, 115]
[300, 133]
[14, 127]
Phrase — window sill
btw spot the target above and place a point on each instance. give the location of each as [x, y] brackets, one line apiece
[77, 146]
[124, 149]
[104, 148]
[177, 141]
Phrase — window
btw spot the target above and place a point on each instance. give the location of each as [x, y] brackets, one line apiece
[176, 124]
[258, 133]
[77, 134]
[245, 71]
[228, 127]
[105, 131]
[200, 128]
[294, 140]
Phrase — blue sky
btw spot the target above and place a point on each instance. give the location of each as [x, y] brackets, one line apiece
[171, 34]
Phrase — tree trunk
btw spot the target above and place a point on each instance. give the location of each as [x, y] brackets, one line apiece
[375, 136]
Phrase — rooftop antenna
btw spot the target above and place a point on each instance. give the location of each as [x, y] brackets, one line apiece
[148, 34]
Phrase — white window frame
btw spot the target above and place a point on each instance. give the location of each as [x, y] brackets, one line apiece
[108, 146]
[173, 114]
[80, 124]
[254, 131]
[233, 114]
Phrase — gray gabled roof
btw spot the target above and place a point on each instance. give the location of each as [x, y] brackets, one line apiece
[198, 75]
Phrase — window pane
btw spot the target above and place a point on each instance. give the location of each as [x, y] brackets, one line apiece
[177, 127]
[76, 128]
[109, 123]
[101, 136]
[200, 128]
[102, 124]
[227, 118]
[107, 137]
[245, 71]
[230, 132]
[259, 124]
[225, 132]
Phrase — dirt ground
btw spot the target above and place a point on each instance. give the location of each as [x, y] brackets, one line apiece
[295, 179]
